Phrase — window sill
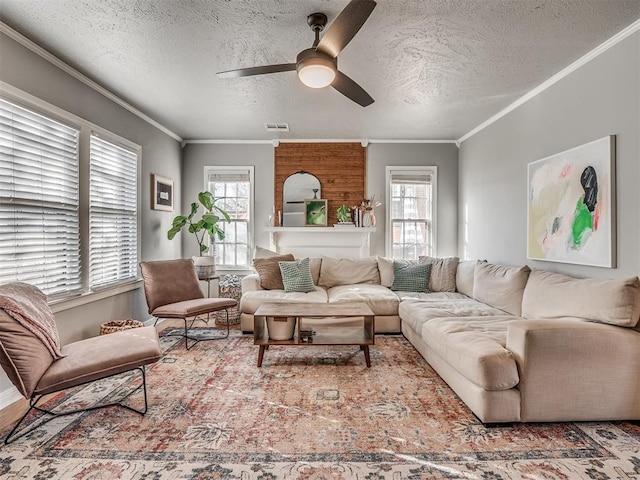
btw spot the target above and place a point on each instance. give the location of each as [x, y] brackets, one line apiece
[89, 297]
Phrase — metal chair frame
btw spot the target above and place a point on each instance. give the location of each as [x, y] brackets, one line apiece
[196, 340]
[33, 405]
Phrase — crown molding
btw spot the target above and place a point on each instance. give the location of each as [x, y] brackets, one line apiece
[277, 141]
[600, 49]
[48, 56]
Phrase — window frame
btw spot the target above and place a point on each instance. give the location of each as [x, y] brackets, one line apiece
[250, 169]
[86, 295]
[431, 170]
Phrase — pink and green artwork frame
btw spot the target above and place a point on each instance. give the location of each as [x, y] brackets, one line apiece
[571, 211]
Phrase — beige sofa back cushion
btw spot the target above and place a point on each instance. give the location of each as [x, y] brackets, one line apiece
[551, 295]
[346, 271]
[464, 277]
[500, 286]
[385, 267]
[443, 273]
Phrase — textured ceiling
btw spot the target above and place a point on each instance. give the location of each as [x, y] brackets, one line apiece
[436, 68]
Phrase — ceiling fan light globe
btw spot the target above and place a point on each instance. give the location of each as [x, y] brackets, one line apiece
[316, 75]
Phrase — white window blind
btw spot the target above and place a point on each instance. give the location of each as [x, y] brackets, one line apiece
[411, 217]
[233, 186]
[39, 229]
[113, 222]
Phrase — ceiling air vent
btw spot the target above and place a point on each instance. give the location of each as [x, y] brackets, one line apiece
[277, 127]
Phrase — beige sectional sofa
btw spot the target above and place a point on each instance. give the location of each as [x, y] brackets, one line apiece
[516, 345]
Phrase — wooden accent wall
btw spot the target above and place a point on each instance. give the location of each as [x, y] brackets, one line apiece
[340, 167]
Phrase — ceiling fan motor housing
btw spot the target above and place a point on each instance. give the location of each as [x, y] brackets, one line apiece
[316, 69]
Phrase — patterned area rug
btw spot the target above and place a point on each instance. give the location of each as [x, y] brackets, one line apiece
[313, 413]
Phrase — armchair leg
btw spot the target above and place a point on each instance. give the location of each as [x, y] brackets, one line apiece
[33, 405]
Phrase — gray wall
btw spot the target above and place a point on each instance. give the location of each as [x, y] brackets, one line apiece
[442, 155]
[445, 156]
[599, 99]
[161, 154]
[197, 156]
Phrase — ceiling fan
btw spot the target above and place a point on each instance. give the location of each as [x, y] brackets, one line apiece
[317, 67]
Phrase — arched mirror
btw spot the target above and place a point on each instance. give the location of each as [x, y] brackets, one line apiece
[297, 188]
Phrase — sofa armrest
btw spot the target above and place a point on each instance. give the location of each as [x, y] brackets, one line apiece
[576, 370]
[251, 283]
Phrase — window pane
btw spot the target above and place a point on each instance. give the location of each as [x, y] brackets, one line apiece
[113, 205]
[242, 232]
[39, 203]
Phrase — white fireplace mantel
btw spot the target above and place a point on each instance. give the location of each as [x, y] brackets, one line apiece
[316, 241]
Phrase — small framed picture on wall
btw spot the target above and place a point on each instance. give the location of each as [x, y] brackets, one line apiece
[315, 213]
[161, 193]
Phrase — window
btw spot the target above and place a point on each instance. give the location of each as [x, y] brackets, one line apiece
[234, 186]
[39, 202]
[410, 212]
[113, 205]
[68, 219]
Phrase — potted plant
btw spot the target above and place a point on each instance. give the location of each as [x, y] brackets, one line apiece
[344, 214]
[207, 224]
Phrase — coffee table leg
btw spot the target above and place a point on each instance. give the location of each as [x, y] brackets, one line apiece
[366, 354]
[260, 355]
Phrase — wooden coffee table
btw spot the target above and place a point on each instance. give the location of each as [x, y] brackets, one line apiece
[331, 324]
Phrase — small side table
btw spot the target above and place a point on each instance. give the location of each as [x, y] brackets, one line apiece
[209, 279]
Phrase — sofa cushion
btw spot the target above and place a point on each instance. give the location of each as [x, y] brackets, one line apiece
[269, 271]
[409, 276]
[416, 312]
[430, 295]
[551, 295]
[500, 286]
[347, 271]
[250, 301]
[385, 267]
[443, 273]
[464, 277]
[296, 276]
[475, 347]
[380, 300]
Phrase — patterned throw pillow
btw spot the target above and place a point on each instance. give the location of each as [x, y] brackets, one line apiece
[269, 271]
[296, 276]
[410, 276]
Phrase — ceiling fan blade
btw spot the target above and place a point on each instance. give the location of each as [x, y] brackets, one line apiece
[351, 89]
[247, 72]
[345, 26]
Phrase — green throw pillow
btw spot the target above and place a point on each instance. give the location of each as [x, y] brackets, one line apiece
[410, 276]
[296, 276]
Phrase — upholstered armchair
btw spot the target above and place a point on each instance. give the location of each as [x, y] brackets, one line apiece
[172, 290]
[37, 365]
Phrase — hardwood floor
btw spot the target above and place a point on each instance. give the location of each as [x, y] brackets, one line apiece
[13, 412]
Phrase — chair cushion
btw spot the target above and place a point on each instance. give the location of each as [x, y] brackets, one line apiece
[23, 357]
[169, 281]
[191, 308]
[269, 271]
[100, 357]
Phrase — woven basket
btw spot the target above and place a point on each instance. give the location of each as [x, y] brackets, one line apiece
[119, 325]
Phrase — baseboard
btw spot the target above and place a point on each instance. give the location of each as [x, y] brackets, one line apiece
[9, 396]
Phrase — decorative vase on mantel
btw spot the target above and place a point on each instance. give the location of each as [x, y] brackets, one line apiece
[205, 266]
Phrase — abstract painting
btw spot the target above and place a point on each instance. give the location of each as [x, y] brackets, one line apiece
[571, 206]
